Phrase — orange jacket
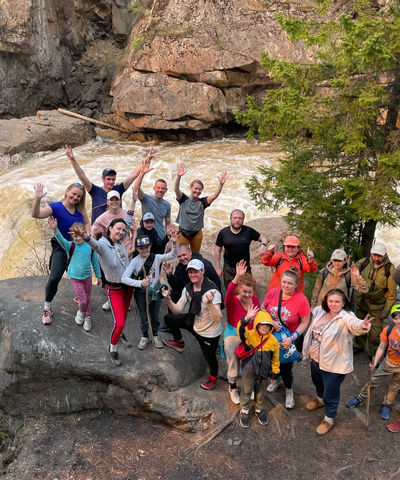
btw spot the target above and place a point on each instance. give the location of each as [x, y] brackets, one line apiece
[282, 263]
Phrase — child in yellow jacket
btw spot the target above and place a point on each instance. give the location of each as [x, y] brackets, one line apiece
[260, 365]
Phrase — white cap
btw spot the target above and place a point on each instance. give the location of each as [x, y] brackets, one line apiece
[378, 249]
[195, 264]
[112, 194]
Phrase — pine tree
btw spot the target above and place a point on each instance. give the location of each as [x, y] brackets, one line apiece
[336, 119]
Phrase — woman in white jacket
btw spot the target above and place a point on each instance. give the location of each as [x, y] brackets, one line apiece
[329, 344]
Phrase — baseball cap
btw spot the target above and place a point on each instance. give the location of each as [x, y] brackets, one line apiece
[378, 249]
[291, 240]
[113, 193]
[195, 264]
[339, 254]
[108, 171]
[143, 241]
[148, 216]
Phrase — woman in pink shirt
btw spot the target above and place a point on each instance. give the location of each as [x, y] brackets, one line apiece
[238, 299]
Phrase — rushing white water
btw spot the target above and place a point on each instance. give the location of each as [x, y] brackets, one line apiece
[203, 160]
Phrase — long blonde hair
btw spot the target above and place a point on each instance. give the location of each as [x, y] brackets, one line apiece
[81, 205]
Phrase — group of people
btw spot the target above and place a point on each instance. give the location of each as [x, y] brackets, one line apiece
[261, 342]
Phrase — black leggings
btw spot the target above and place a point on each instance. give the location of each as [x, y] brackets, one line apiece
[57, 265]
[208, 345]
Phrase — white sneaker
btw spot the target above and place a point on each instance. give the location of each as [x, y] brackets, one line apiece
[106, 306]
[143, 343]
[80, 317]
[289, 401]
[157, 342]
[273, 387]
[87, 324]
[234, 393]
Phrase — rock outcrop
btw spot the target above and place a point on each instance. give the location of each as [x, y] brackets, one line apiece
[60, 369]
[190, 64]
[48, 130]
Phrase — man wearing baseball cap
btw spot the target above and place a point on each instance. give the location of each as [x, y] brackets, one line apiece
[377, 271]
[108, 175]
[292, 257]
[203, 320]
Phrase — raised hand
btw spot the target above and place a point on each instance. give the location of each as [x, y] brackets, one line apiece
[181, 169]
[366, 324]
[39, 193]
[354, 270]
[52, 222]
[310, 254]
[165, 292]
[167, 268]
[241, 268]
[223, 177]
[251, 313]
[209, 297]
[271, 248]
[69, 153]
[79, 232]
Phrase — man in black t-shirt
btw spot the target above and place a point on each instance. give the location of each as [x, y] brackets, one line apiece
[236, 240]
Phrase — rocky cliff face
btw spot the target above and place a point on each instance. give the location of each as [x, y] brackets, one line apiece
[42, 43]
[190, 64]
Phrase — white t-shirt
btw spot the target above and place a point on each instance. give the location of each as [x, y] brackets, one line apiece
[203, 323]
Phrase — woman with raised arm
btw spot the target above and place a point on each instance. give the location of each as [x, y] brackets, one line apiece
[329, 344]
[114, 259]
[191, 209]
[67, 212]
[238, 299]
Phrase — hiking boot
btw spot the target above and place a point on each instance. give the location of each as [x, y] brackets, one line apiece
[323, 428]
[157, 342]
[79, 318]
[124, 341]
[289, 400]
[354, 402]
[47, 316]
[244, 419]
[394, 427]
[273, 387]
[114, 358]
[178, 346]
[106, 306]
[314, 404]
[163, 328]
[143, 343]
[262, 417]
[385, 411]
[234, 394]
[87, 324]
[209, 384]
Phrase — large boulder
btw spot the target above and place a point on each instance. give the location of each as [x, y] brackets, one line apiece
[180, 53]
[47, 130]
[59, 368]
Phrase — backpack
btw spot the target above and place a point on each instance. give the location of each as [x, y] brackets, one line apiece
[347, 278]
[388, 332]
[388, 266]
[146, 266]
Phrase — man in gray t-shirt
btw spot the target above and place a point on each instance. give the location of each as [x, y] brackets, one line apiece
[155, 204]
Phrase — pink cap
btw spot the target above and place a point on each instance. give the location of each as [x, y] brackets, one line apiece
[292, 240]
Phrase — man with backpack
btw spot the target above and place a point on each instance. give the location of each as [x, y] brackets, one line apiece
[377, 271]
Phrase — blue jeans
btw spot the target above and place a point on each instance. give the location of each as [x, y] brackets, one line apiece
[327, 385]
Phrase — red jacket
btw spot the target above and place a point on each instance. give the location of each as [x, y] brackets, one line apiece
[282, 263]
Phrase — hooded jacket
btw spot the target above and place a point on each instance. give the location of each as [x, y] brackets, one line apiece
[300, 261]
[382, 290]
[264, 361]
[336, 280]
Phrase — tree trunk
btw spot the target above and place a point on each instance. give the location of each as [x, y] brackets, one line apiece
[368, 235]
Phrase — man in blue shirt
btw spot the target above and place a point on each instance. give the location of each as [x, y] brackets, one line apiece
[99, 194]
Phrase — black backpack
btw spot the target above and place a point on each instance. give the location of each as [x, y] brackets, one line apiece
[147, 266]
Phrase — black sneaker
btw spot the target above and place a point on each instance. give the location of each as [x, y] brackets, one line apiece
[124, 341]
[262, 417]
[115, 358]
[244, 419]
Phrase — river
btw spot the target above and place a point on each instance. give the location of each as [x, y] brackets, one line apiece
[203, 160]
